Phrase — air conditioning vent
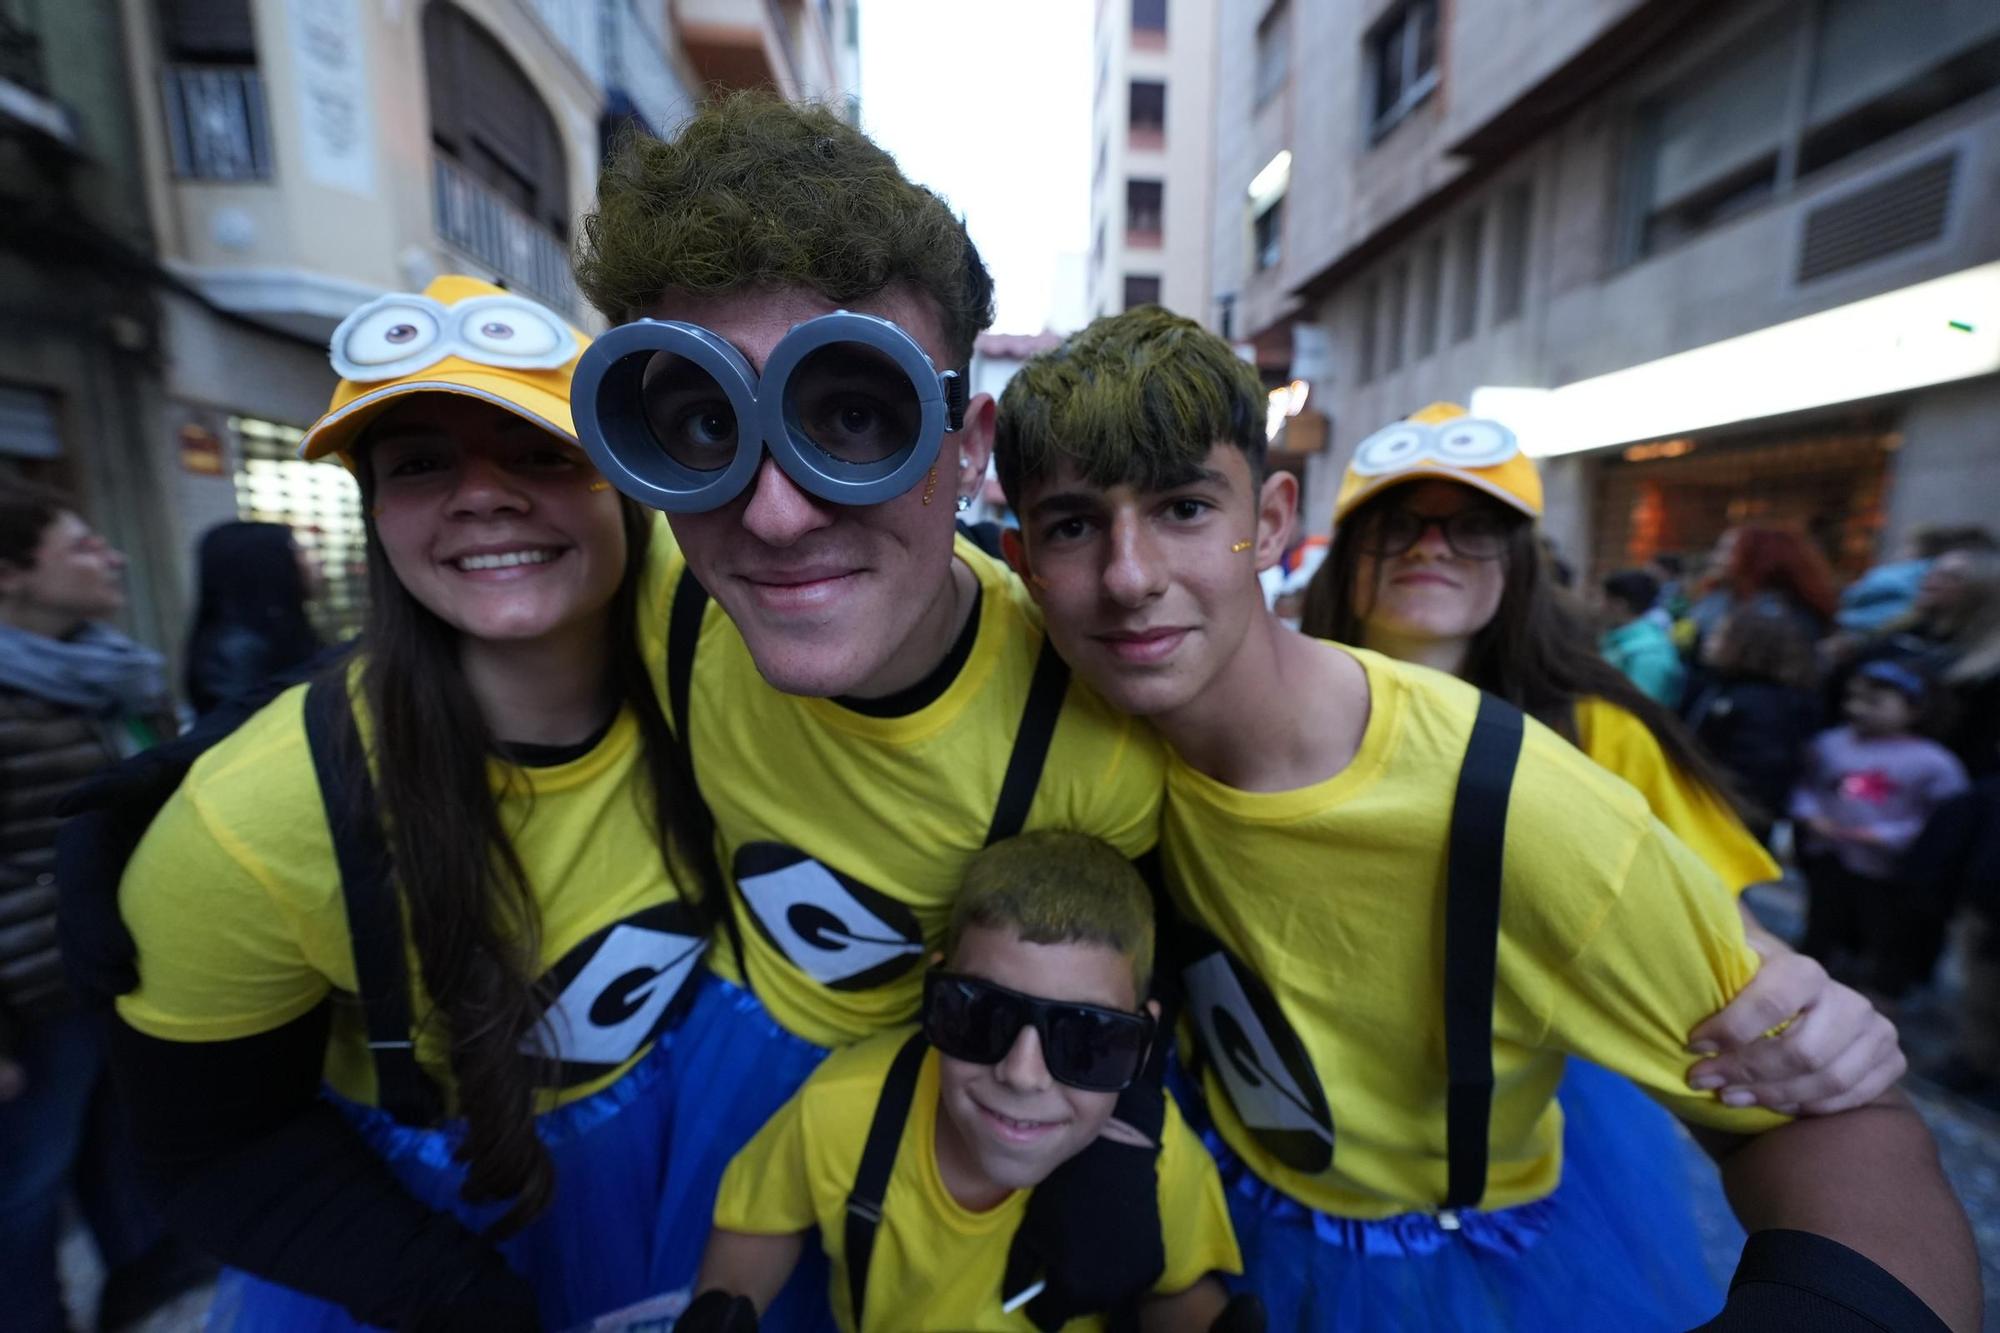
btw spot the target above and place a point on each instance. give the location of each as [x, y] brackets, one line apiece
[1896, 213]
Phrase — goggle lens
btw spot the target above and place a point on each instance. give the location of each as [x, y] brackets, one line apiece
[687, 413]
[853, 403]
[1085, 1046]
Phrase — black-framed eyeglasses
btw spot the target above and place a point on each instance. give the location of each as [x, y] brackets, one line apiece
[1084, 1045]
[1476, 533]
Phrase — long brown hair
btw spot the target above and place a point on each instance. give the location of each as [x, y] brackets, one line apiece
[1537, 652]
[473, 917]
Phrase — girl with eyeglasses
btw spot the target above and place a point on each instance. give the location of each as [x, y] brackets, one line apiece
[1437, 559]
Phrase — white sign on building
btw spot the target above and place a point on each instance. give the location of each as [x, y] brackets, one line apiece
[336, 125]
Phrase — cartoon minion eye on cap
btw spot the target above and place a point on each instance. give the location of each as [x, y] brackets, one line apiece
[848, 405]
[458, 336]
[1444, 443]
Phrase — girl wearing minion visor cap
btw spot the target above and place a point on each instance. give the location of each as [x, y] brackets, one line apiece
[1436, 559]
[423, 930]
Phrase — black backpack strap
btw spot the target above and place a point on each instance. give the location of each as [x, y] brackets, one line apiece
[683, 637]
[1471, 938]
[878, 1162]
[374, 916]
[1031, 743]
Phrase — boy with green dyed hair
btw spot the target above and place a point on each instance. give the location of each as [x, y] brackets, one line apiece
[1310, 830]
[1032, 1023]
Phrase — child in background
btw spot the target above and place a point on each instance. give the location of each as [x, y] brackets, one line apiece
[1867, 789]
[1636, 643]
[1035, 1019]
[1759, 709]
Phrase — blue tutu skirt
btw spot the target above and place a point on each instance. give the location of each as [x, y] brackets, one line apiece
[1615, 1247]
[734, 1066]
[637, 1168]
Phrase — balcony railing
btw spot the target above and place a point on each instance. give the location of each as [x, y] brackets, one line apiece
[216, 126]
[473, 218]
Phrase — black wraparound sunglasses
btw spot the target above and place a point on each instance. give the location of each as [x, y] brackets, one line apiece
[1084, 1045]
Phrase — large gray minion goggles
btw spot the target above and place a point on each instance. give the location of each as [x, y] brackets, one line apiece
[848, 405]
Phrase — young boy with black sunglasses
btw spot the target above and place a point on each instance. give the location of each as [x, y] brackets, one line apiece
[914, 1152]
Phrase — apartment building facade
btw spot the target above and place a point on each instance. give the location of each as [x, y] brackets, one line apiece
[291, 159]
[80, 343]
[1152, 128]
[1716, 262]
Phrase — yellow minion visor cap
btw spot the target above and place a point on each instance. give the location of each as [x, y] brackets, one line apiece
[1444, 443]
[459, 336]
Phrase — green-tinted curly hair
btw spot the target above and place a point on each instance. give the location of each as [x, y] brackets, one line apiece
[753, 191]
[1052, 886]
[1138, 398]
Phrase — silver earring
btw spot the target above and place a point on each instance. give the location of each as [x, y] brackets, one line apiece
[964, 503]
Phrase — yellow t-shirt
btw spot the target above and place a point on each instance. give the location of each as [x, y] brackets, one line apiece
[936, 1265]
[846, 835]
[1615, 941]
[1620, 742]
[235, 902]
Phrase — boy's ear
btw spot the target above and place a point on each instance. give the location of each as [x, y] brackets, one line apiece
[975, 444]
[1277, 514]
[1016, 552]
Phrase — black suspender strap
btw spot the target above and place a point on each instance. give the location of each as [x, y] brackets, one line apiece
[878, 1162]
[1031, 744]
[683, 636]
[374, 916]
[1471, 938]
[683, 633]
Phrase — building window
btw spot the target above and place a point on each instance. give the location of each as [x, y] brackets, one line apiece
[1144, 202]
[1268, 235]
[1510, 279]
[1430, 295]
[217, 128]
[1396, 300]
[1146, 114]
[1881, 66]
[1708, 149]
[1149, 23]
[1274, 46]
[1402, 58]
[1741, 130]
[1465, 276]
[488, 118]
[1367, 340]
[1141, 290]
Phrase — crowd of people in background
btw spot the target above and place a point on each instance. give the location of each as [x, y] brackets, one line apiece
[1862, 726]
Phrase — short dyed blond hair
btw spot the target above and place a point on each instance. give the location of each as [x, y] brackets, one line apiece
[1056, 887]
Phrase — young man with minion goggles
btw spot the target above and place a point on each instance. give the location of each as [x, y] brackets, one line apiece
[866, 694]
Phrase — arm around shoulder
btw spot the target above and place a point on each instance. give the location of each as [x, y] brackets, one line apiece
[1870, 1180]
[1867, 1178]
